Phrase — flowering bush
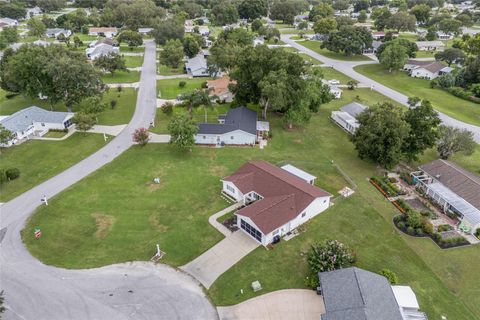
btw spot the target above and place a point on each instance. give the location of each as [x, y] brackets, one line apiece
[330, 255]
[141, 136]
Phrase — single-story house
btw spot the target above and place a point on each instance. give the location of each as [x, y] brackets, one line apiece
[238, 127]
[373, 49]
[336, 91]
[42, 43]
[9, 22]
[32, 12]
[346, 117]
[425, 69]
[100, 50]
[277, 200]
[108, 41]
[430, 45]
[144, 30]
[357, 294]
[55, 32]
[197, 66]
[378, 35]
[257, 41]
[219, 88]
[108, 32]
[453, 188]
[444, 36]
[35, 121]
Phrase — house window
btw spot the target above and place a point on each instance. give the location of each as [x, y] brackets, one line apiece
[43, 124]
[304, 214]
[204, 137]
[324, 201]
[275, 232]
[251, 230]
[231, 137]
[230, 188]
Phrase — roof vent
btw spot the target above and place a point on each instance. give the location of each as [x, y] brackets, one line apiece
[438, 176]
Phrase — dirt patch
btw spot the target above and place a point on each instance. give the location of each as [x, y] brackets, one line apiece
[154, 186]
[104, 224]
[298, 141]
[153, 220]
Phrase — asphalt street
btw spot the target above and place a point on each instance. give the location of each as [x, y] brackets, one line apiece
[138, 290]
[346, 67]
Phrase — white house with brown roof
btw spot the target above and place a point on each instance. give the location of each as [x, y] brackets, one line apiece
[435, 45]
[108, 32]
[425, 69]
[277, 200]
[455, 189]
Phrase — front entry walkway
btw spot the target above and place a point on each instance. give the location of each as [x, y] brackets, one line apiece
[287, 304]
[221, 257]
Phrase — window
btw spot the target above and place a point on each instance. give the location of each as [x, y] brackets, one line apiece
[251, 230]
[43, 124]
[231, 137]
[275, 232]
[304, 214]
[230, 188]
[324, 201]
[204, 137]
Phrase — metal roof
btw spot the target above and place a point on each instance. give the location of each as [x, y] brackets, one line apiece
[299, 172]
[240, 118]
[21, 120]
[354, 109]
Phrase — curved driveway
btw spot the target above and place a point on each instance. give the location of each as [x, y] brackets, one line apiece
[137, 290]
[346, 67]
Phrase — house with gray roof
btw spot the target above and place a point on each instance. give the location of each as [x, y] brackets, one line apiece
[197, 66]
[454, 189]
[357, 294]
[238, 127]
[101, 49]
[34, 121]
[55, 32]
[425, 69]
[346, 117]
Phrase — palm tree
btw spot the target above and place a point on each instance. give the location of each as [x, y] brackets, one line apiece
[195, 99]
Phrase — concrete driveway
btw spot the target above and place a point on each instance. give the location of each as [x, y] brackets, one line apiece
[288, 304]
[221, 257]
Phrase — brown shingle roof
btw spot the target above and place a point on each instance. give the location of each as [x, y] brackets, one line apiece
[219, 86]
[103, 29]
[285, 195]
[462, 182]
[432, 66]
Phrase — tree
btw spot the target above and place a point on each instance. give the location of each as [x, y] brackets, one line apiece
[431, 34]
[172, 53]
[269, 32]
[12, 11]
[110, 62]
[223, 56]
[51, 5]
[10, 34]
[450, 26]
[322, 10]
[191, 47]
[393, 57]
[423, 121]
[465, 20]
[341, 5]
[451, 55]
[194, 10]
[252, 9]
[171, 28]
[421, 12]
[402, 21]
[329, 255]
[413, 101]
[472, 45]
[182, 130]
[381, 17]
[360, 5]
[256, 25]
[5, 135]
[195, 99]
[352, 84]
[380, 136]
[132, 38]
[284, 10]
[390, 275]
[325, 25]
[410, 47]
[141, 136]
[84, 121]
[362, 17]
[36, 28]
[349, 40]
[224, 13]
[454, 140]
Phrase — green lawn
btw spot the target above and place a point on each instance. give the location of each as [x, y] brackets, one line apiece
[123, 111]
[169, 88]
[126, 100]
[330, 73]
[425, 54]
[124, 221]
[133, 61]
[442, 101]
[409, 36]
[125, 48]
[315, 46]
[84, 37]
[306, 57]
[55, 134]
[122, 77]
[295, 31]
[40, 160]
[167, 71]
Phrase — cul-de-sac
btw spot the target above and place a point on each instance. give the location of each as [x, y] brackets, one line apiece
[240, 159]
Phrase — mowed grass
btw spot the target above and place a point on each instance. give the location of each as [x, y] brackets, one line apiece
[91, 225]
[443, 101]
[169, 88]
[39, 160]
[133, 61]
[125, 48]
[167, 71]
[315, 46]
[121, 77]
[123, 112]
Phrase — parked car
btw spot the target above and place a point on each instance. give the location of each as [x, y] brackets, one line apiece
[334, 82]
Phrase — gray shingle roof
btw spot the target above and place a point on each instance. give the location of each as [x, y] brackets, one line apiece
[353, 109]
[21, 120]
[356, 294]
[240, 118]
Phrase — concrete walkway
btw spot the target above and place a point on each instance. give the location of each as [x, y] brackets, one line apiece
[221, 257]
[175, 76]
[133, 54]
[135, 69]
[134, 85]
[110, 130]
[161, 102]
[159, 138]
[69, 133]
[288, 304]
[347, 68]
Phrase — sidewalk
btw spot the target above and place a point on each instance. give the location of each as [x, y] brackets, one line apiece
[110, 130]
[134, 85]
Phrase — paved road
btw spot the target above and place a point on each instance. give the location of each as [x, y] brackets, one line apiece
[126, 291]
[346, 67]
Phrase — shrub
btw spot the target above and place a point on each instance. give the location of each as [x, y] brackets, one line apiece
[419, 232]
[329, 255]
[461, 93]
[390, 275]
[113, 103]
[11, 95]
[477, 233]
[3, 176]
[312, 281]
[182, 84]
[414, 219]
[141, 136]
[410, 230]
[407, 178]
[427, 227]
[167, 108]
[12, 173]
[119, 88]
[401, 225]
[444, 227]
[204, 85]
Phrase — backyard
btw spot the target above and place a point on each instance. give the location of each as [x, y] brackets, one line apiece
[442, 101]
[124, 221]
[315, 46]
[39, 160]
[170, 88]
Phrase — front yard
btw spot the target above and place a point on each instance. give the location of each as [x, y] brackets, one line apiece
[170, 88]
[315, 46]
[39, 160]
[122, 77]
[133, 61]
[163, 70]
[91, 225]
[443, 101]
